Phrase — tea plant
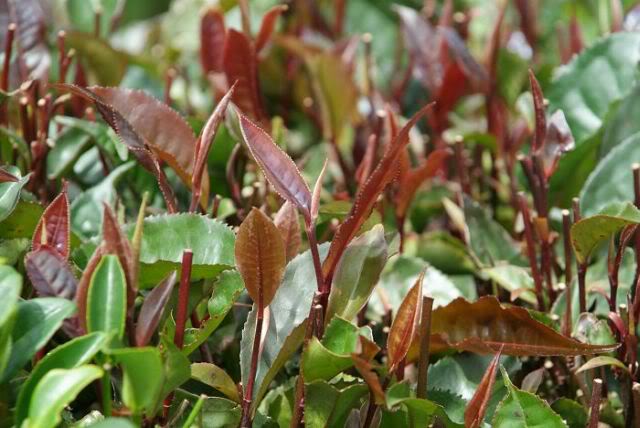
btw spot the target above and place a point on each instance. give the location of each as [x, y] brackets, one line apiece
[319, 213]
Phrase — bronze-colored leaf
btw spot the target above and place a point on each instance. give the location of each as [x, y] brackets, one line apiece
[241, 65]
[268, 25]
[365, 369]
[277, 166]
[541, 118]
[287, 223]
[152, 309]
[53, 228]
[260, 257]
[50, 273]
[477, 406]
[368, 195]
[404, 325]
[486, 326]
[212, 36]
[412, 181]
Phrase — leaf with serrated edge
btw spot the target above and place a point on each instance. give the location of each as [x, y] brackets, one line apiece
[53, 228]
[50, 274]
[260, 257]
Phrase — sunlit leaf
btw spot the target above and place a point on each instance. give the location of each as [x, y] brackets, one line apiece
[10, 193]
[216, 378]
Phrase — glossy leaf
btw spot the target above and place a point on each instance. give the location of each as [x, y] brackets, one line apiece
[53, 228]
[50, 274]
[115, 242]
[476, 409]
[368, 195]
[485, 326]
[357, 274]
[143, 377]
[152, 309]
[240, 64]
[10, 287]
[10, 193]
[571, 412]
[39, 319]
[67, 356]
[69, 146]
[260, 257]
[216, 378]
[589, 232]
[285, 323]
[107, 298]
[601, 361]
[405, 324]
[56, 390]
[212, 35]
[586, 86]
[277, 166]
[286, 221]
[524, 409]
[7, 177]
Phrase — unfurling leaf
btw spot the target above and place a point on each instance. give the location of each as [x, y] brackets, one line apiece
[268, 25]
[152, 309]
[260, 257]
[368, 195]
[404, 325]
[540, 114]
[477, 407]
[277, 166]
[53, 228]
[50, 274]
[287, 223]
[212, 35]
[485, 327]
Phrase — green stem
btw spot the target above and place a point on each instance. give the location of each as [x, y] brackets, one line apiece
[194, 412]
[106, 393]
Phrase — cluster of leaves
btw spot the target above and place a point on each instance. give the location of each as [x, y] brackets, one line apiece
[164, 261]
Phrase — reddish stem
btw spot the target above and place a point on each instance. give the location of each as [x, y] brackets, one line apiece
[183, 297]
[582, 267]
[595, 403]
[425, 338]
[8, 47]
[255, 354]
[566, 231]
[531, 249]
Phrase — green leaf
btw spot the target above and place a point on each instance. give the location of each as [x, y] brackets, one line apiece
[400, 274]
[177, 369]
[513, 279]
[22, 221]
[573, 413]
[114, 423]
[67, 356]
[601, 361]
[39, 319]
[285, 322]
[57, 389]
[324, 360]
[328, 406]
[10, 287]
[587, 233]
[166, 236]
[226, 291]
[82, 14]
[524, 409]
[86, 209]
[445, 253]
[10, 192]
[216, 378]
[68, 146]
[143, 377]
[357, 274]
[107, 64]
[601, 74]
[617, 127]
[107, 297]
[612, 180]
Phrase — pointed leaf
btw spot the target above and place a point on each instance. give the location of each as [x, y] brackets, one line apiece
[540, 114]
[115, 242]
[277, 166]
[365, 369]
[317, 190]
[485, 326]
[287, 223]
[404, 325]
[7, 177]
[216, 378]
[268, 25]
[477, 407]
[50, 273]
[107, 298]
[368, 195]
[153, 308]
[212, 35]
[57, 389]
[601, 361]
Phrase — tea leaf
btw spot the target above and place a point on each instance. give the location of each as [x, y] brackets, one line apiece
[287, 223]
[107, 298]
[268, 25]
[216, 378]
[212, 35]
[260, 257]
[477, 407]
[277, 166]
[404, 325]
[601, 361]
[10, 193]
[143, 377]
[50, 273]
[153, 308]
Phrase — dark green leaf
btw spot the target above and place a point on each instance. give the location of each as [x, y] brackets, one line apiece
[107, 298]
[10, 193]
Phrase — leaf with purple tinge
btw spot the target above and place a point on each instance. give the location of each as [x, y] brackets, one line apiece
[212, 35]
[50, 274]
[152, 309]
[53, 228]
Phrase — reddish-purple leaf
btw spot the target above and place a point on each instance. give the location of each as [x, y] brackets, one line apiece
[368, 195]
[152, 309]
[287, 223]
[212, 35]
[268, 24]
[477, 406]
[404, 325]
[7, 177]
[541, 118]
[277, 166]
[53, 228]
[365, 368]
[50, 273]
[260, 257]
[240, 65]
